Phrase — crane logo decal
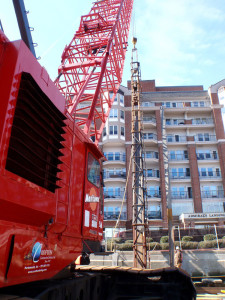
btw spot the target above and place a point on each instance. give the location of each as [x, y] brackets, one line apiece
[92, 198]
[36, 252]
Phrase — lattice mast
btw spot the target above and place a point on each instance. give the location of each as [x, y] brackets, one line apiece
[92, 64]
[138, 182]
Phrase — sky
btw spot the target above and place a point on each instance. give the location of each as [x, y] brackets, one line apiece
[180, 42]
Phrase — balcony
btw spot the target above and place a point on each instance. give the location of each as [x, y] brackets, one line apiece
[209, 174]
[176, 139]
[154, 215]
[114, 176]
[152, 174]
[177, 157]
[205, 138]
[149, 121]
[114, 157]
[207, 156]
[181, 195]
[212, 194]
[175, 122]
[153, 195]
[114, 216]
[114, 195]
[202, 121]
[179, 175]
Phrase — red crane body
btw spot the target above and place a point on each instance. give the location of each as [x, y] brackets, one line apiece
[51, 200]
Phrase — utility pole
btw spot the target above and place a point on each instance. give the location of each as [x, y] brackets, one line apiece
[139, 194]
[167, 184]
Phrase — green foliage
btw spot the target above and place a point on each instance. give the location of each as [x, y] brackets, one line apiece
[187, 238]
[125, 247]
[129, 242]
[222, 242]
[207, 244]
[164, 239]
[164, 246]
[189, 245]
[209, 237]
[223, 237]
[149, 239]
[153, 246]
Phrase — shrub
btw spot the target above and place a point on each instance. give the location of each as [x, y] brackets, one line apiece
[209, 237]
[207, 244]
[189, 245]
[153, 245]
[164, 239]
[222, 242]
[223, 237]
[164, 246]
[129, 241]
[187, 238]
[125, 247]
[149, 239]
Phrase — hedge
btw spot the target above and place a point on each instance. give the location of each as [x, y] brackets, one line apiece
[187, 238]
[164, 239]
[149, 239]
[209, 237]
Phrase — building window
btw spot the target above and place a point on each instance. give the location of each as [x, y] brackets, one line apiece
[122, 131]
[122, 114]
[167, 104]
[113, 130]
[104, 131]
[121, 99]
[113, 113]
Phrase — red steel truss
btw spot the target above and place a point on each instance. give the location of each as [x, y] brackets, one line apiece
[92, 64]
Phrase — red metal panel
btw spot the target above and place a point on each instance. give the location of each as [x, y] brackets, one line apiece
[92, 64]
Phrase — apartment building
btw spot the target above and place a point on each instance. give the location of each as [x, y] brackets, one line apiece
[196, 153]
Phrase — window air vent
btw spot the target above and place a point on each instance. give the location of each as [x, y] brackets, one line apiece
[35, 143]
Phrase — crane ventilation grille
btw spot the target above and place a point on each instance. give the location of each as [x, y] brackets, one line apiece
[36, 136]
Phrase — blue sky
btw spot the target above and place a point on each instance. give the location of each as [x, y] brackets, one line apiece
[180, 42]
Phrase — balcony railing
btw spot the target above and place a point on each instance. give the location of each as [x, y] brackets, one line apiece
[209, 138]
[172, 122]
[115, 156]
[119, 176]
[113, 195]
[207, 156]
[153, 173]
[154, 215]
[202, 121]
[178, 156]
[210, 174]
[179, 175]
[149, 120]
[150, 136]
[176, 139]
[115, 216]
[212, 194]
[153, 195]
[151, 154]
[181, 195]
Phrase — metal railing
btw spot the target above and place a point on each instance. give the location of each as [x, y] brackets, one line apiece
[152, 173]
[212, 194]
[178, 139]
[209, 138]
[114, 175]
[153, 195]
[178, 156]
[154, 215]
[149, 136]
[179, 175]
[151, 154]
[115, 156]
[115, 216]
[175, 122]
[181, 195]
[114, 195]
[209, 174]
[207, 156]
[202, 121]
[149, 119]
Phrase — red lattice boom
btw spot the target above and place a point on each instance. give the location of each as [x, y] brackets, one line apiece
[92, 64]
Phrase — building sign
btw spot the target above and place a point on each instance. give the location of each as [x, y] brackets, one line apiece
[203, 216]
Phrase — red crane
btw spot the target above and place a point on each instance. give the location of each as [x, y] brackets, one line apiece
[92, 64]
[51, 200]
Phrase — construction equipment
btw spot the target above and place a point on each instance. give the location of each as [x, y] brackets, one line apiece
[51, 200]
